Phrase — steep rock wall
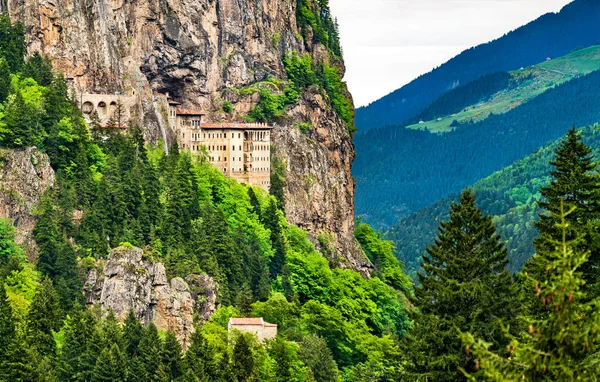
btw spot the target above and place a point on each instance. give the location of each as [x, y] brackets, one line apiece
[201, 52]
[25, 174]
[128, 280]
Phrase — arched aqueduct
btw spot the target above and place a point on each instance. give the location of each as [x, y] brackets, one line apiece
[105, 105]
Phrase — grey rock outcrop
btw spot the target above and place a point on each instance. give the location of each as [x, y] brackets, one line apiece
[128, 280]
[25, 174]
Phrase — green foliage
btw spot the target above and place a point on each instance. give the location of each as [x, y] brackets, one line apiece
[563, 344]
[316, 15]
[227, 107]
[464, 286]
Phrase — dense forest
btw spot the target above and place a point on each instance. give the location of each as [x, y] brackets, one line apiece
[399, 171]
[509, 195]
[333, 323]
[552, 35]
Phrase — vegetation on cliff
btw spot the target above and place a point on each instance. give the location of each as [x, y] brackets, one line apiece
[112, 189]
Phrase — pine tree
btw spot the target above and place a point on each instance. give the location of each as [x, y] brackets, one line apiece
[254, 202]
[564, 345]
[110, 366]
[132, 334]
[44, 318]
[272, 222]
[244, 299]
[7, 328]
[464, 286]
[576, 183]
[172, 357]
[17, 364]
[199, 360]
[316, 355]
[243, 359]
[74, 363]
[150, 352]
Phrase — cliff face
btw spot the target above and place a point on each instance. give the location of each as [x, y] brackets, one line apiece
[24, 176]
[202, 52]
[128, 280]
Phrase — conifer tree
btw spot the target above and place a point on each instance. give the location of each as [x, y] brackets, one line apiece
[316, 355]
[132, 334]
[150, 351]
[110, 366]
[564, 345]
[271, 221]
[44, 318]
[74, 363]
[17, 364]
[243, 359]
[199, 360]
[464, 286]
[7, 328]
[254, 202]
[172, 357]
[576, 183]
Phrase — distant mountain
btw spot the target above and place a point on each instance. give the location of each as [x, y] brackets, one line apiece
[510, 195]
[399, 170]
[501, 92]
[551, 35]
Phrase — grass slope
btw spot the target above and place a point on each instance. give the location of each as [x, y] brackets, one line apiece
[510, 195]
[524, 85]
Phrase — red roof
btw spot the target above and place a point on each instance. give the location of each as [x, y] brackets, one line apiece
[181, 111]
[171, 102]
[247, 321]
[243, 126]
[113, 126]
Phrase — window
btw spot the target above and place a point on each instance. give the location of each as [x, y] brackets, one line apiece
[233, 148]
[225, 135]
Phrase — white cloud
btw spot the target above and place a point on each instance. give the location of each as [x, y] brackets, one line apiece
[387, 43]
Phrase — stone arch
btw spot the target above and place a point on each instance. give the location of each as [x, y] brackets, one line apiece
[112, 107]
[87, 107]
[102, 108]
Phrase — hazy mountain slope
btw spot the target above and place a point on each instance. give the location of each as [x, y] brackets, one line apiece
[510, 195]
[402, 170]
[501, 92]
[551, 35]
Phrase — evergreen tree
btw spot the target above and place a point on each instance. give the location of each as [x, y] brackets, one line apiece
[132, 334]
[254, 202]
[244, 300]
[563, 345]
[17, 364]
[44, 318]
[74, 363]
[243, 359]
[576, 183]
[150, 352]
[316, 355]
[110, 366]
[277, 182]
[4, 79]
[464, 286]
[272, 222]
[172, 357]
[199, 360]
[7, 328]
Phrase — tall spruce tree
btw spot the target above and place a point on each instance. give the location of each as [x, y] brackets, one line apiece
[576, 183]
[272, 222]
[464, 286]
[244, 368]
[564, 345]
[44, 318]
[7, 326]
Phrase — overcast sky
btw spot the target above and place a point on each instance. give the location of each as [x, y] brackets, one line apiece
[387, 43]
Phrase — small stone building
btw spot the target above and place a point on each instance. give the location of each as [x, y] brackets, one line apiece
[254, 325]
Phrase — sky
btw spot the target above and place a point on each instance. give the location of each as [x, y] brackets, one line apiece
[388, 43]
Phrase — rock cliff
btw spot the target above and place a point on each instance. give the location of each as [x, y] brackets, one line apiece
[203, 52]
[128, 280]
[25, 175]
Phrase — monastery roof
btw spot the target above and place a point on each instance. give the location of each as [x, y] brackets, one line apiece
[181, 111]
[242, 126]
[171, 102]
[254, 321]
[122, 126]
[161, 95]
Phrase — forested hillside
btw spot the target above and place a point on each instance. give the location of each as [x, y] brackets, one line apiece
[552, 35]
[509, 195]
[400, 171]
[113, 190]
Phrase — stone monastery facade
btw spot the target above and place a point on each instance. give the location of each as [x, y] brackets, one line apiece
[263, 330]
[240, 150]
